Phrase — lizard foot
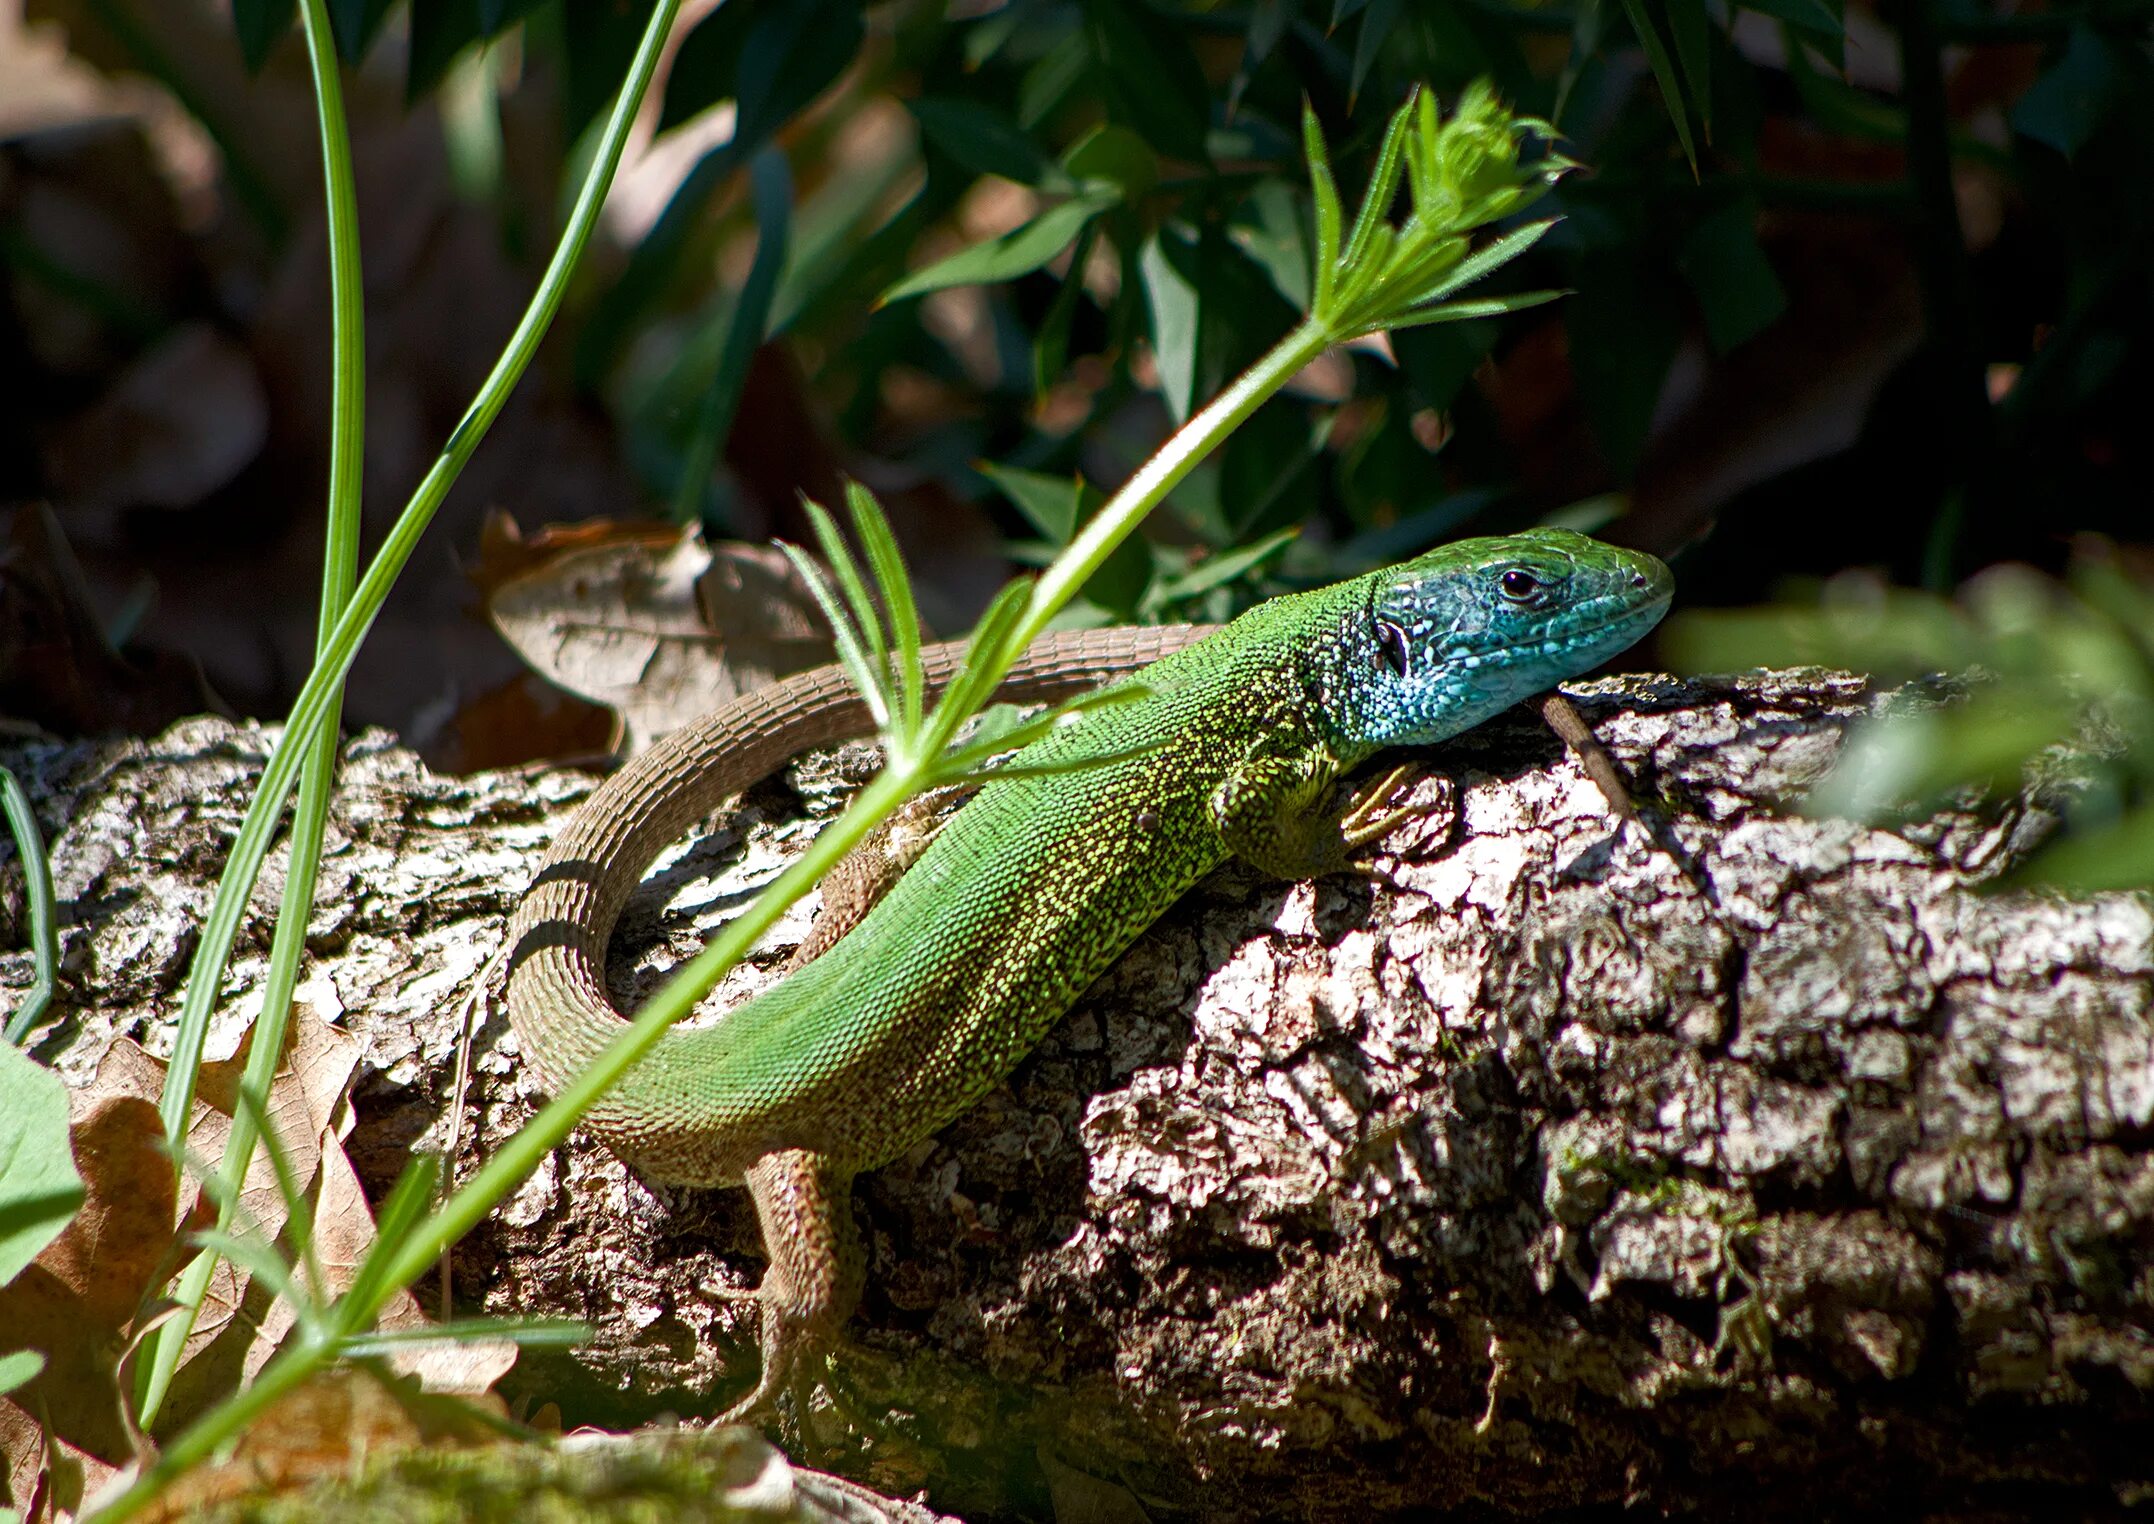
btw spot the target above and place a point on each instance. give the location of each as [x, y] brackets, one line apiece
[1376, 811]
[814, 1279]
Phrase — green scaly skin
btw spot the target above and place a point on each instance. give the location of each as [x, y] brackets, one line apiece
[1037, 885]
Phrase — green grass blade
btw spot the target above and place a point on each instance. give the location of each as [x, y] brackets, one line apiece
[1329, 217]
[528, 1333]
[988, 651]
[867, 619]
[37, 892]
[1490, 256]
[891, 580]
[772, 187]
[159, 1360]
[1656, 55]
[1383, 185]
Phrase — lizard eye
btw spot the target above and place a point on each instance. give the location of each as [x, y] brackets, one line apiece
[1391, 646]
[1518, 585]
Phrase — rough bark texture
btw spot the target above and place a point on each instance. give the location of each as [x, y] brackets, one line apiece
[1767, 1165]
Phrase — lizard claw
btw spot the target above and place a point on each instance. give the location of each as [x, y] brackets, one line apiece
[1376, 811]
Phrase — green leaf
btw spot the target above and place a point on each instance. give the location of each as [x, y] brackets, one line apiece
[1176, 298]
[1049, 83]
[597, 43]
[872, 529]
[1329, 217]
[1689, 29]
[1656, 55]
[1057, 507]
[40, 1192]
[1051, 343]
[1017, 252]
[1838, 106]
[1485, 260]
[261, 25]
[865, 624]
[1268, 21]
[1228, 566]
[968, 764]
[1148, 76]
[1049, 503]
[1376, 28]
[394, 1221]
[1372, 221]
[1737, 291]
[36, 920]
[354, 23]
[981, 139]
[2063, 108]
[969, 689]
[1476, 307]
[18, 1368]
[1269, 229]
[440, 29]
[1113, 158]
[769, 61]
[263, 1263]
[746, 328]
[1266, 475]
[1912, 758]
[1815, 17]
[2118, 857]
[527, 1333]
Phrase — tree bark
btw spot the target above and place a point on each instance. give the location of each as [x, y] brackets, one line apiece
[1735, 1160]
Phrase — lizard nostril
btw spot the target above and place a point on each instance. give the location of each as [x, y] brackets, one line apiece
[1638, 580]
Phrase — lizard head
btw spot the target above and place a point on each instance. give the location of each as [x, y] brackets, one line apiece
[1471, 628]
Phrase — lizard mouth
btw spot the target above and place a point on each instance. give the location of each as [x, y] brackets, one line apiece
[1591, 630]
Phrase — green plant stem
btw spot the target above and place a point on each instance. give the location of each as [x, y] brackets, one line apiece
[416, 1251]
[217, 1428]
[1152, 481]
[311, 708]
[37, 891]
[340, 562]
[1084, 555]
[309, 716]
[399, 1258]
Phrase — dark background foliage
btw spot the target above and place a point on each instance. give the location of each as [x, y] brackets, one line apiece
[1848, 288]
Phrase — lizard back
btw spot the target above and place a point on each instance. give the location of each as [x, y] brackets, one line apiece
[1023, 898]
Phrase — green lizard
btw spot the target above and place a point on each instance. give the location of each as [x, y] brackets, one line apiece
[1038, 884]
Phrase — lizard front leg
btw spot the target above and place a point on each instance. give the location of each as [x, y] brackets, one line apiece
[1275, 812]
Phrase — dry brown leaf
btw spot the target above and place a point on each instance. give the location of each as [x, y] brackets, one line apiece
[460, 1367]
[110, 1254]
[41, 1474]
[79, 1302]
[182, 421]
[648, 619]
[75, 1302]
[240, 1325]
[523, 718]
[56, 667]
